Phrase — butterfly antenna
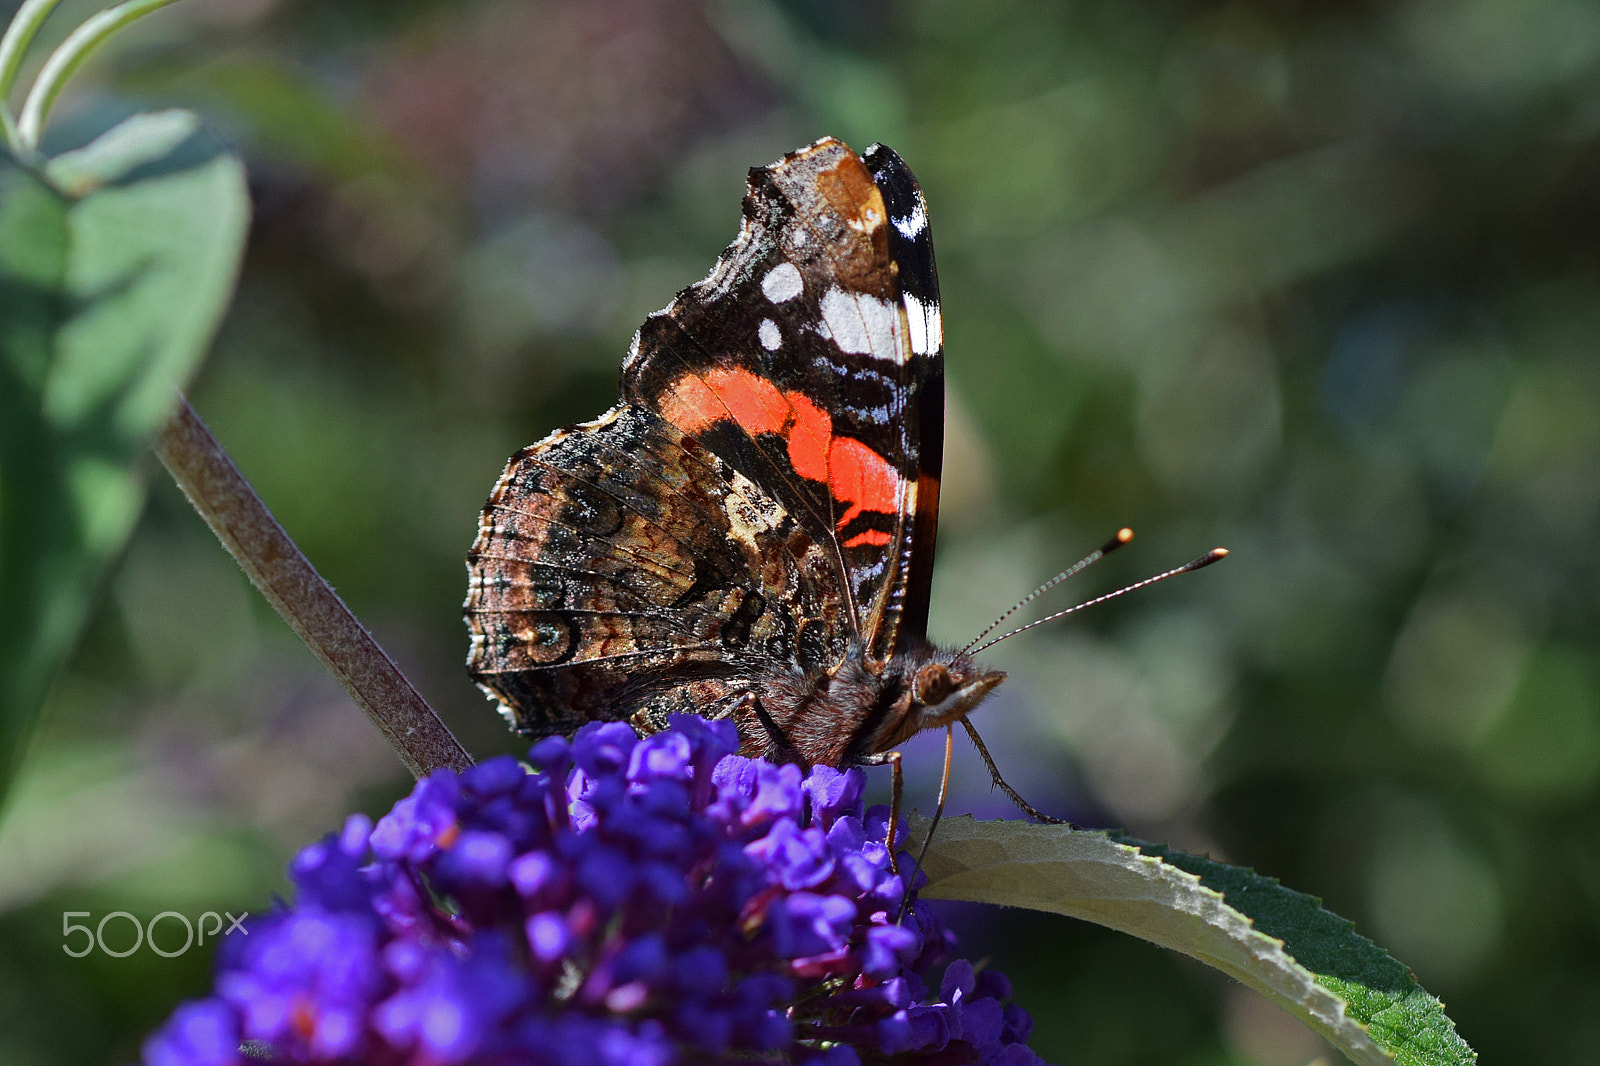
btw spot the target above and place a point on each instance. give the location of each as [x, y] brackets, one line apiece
[1122, 537]
[999, 782]
[938, 812]
[1212, 556]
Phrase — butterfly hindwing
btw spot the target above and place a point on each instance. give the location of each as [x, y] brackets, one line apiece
[618, 559]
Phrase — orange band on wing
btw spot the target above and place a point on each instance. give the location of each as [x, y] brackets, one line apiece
[810, 439]
[861, 477]
[855, 474]
[695, 401]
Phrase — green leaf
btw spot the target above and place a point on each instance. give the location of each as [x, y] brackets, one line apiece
[1279, 942]
[116, 265]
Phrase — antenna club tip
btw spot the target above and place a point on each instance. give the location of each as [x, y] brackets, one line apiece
[1220, 553]
[1215, 555]
[1118, 539]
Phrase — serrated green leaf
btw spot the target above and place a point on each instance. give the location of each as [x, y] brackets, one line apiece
[1277, 941]
[116, 265]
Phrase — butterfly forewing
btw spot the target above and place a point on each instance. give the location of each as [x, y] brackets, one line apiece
[795, 361]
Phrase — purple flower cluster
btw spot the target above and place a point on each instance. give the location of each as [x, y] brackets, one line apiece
[631, 902]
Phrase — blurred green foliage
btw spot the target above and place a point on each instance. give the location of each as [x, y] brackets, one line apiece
[116, 264]
[1316, 282]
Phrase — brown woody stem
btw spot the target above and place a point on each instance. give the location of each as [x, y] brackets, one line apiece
[296, 591]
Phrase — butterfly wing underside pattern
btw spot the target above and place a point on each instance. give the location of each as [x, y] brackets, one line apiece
[762, 504]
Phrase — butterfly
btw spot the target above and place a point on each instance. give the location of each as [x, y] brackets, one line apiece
[749, 533]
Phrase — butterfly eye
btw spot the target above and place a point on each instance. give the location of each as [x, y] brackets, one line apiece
[933, 684]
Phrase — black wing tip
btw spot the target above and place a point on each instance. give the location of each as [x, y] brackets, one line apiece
[893, 178]
[908, 208]
[880, 156]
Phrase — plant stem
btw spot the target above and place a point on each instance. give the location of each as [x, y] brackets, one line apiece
[276, 566]
[13, 46]
[79, 45]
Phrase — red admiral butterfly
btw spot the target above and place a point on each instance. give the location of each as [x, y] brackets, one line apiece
[749, 533]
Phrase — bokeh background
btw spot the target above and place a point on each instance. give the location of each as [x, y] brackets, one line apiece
[1315, 282]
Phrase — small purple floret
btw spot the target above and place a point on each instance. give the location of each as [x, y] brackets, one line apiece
[198, 1034]
[630, 902]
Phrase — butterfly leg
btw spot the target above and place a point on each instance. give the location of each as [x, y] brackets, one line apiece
[994, 774]
[938, 813]
[897, 787]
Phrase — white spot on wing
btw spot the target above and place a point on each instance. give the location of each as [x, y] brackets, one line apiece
[927, 330]
[782, 283]
[752, 514]
[911, 226]
[770, 337]
[860, 323]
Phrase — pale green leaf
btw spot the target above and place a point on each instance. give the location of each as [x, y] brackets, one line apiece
[116, 265]
[1279, 942]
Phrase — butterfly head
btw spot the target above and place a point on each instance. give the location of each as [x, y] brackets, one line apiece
[936, 687]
